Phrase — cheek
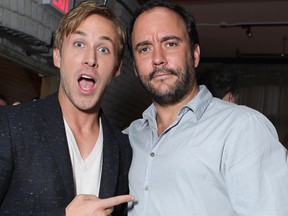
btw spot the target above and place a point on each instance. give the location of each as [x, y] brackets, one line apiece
[143, 66]
[105, 72]
[105, 81]
[182, 61]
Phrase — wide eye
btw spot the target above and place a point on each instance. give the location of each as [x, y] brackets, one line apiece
[79, 44]
[103, 50]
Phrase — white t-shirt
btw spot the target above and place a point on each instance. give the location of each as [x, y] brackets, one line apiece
[86, 173]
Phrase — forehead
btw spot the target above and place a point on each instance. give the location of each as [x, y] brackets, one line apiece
[158, 19]
[95, 27]
[97, 22]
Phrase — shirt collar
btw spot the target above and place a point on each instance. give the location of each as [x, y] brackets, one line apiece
[200, 102]
[198, 105]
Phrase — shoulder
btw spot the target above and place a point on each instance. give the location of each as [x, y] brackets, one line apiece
[236, 117]
[33, 111]
[237, 112]
[136, 126]
[149, 115]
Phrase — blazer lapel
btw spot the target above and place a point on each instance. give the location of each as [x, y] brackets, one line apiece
[110, 166]
[56, 138]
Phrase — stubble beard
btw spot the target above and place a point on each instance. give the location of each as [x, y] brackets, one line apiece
[175, 92]
[80, 102]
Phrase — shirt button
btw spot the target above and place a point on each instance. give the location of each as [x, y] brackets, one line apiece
[146, 188]
[152, 154]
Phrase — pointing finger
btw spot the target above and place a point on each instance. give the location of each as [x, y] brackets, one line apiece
[117, 200]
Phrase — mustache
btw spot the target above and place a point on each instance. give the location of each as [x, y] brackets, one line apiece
[158, 70]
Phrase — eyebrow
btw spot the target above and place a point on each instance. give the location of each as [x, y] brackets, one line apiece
[143, 43]
[172, 37]
[101, 37]
[163, 39]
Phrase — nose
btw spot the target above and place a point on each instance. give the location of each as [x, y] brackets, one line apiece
[159, 57]
[90, 58]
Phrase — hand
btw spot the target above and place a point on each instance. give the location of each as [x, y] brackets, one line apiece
[90, 205]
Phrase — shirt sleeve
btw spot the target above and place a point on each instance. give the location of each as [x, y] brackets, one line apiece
[256, 170]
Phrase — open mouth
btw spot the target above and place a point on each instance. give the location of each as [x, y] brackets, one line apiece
[86, 83]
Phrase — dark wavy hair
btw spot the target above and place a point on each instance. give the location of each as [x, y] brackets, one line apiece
[187, 18]
[219, 81]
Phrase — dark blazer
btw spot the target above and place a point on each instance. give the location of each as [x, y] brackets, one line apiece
[35, 168]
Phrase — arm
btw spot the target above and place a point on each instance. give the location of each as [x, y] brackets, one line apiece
[256, 169]
[85, 204]
[6, 156]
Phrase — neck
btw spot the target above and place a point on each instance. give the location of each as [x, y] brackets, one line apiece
[166, 115]
[85, 128]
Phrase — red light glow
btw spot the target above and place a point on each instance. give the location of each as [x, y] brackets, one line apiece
[62, 5]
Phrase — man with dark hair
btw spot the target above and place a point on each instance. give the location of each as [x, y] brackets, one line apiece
[3, 100]
[193, 154]
[221, 82]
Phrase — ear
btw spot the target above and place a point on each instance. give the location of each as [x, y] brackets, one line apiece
[135, 69]
[196, 55]
[118, 69]
[228, 97]
[56, 57]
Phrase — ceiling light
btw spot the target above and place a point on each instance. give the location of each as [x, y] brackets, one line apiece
[248, 32]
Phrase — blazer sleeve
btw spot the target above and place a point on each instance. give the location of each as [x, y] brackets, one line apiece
[6, 155]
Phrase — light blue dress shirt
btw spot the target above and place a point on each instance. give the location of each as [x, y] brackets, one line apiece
[216, 159]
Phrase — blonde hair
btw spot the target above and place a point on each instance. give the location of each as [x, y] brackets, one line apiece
[71, 21]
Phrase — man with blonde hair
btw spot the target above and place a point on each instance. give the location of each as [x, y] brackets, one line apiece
[54, 149]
